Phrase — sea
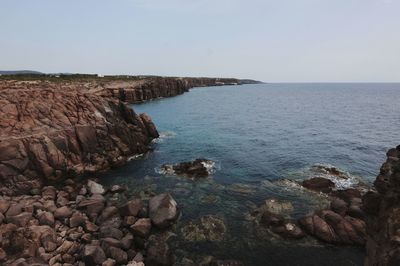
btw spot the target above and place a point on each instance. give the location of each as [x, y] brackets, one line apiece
[263, 140]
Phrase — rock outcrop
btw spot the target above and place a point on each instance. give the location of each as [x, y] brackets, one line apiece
[198, 168]
[383, 214]
[344, 222]
[160, 87]
[49, 131]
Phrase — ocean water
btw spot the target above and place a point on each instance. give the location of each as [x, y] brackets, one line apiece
[262, 139]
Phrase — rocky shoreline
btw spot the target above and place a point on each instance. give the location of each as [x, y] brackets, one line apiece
[56, 129]
[55, 132]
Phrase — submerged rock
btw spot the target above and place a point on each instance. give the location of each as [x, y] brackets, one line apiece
[197, 169]
[241, 188]
[278, 206]
[209, 228]
[275, 215]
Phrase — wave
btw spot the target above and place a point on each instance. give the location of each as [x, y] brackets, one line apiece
[163, 136]
[210, 166]
[341, 178]
[135, 157]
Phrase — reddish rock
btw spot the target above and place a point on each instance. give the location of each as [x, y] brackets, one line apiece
[62, 212]
[141, 227]
[93, 255]
[319, 228]
[21, 219]
[52, 130]
[131, 208]
[339, 206]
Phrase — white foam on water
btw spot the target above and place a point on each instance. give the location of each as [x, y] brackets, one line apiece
[164, 135]
[165, 170]
[134, 157]
[343, 180]
[210, 166]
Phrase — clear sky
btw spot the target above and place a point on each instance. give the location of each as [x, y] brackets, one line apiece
[269, 40]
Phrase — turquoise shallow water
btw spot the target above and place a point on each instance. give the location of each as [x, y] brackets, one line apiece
[259, 135]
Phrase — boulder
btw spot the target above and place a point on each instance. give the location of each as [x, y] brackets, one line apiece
[163, 210]
[93, 255]
[319, 184]
[316, 226]
[109, 262]
[77, 219]
[49, 193]
[14, 209]
[131, 208]
[141, 227]
[21, 219]
[62, 212]
[118, 189]
[95, 188]
[46, 218]
[198, 168]
[4, 205]
[118, 255]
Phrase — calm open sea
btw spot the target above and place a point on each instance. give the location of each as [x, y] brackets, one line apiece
[258, 136]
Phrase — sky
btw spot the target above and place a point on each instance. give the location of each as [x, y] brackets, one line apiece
[268, 40]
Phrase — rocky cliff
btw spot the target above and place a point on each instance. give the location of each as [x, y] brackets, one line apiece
[157, 87]
[383, 208]
[51, 130]
[54, 127]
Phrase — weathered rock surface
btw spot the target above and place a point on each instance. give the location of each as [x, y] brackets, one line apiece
[383, 214]
[49, 131]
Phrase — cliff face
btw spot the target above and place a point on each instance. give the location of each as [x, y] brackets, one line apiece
[153, 88]
[383, 208]
[48, 131]
[51, 128]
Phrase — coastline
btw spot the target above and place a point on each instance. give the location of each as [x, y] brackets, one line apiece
[107, 114]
